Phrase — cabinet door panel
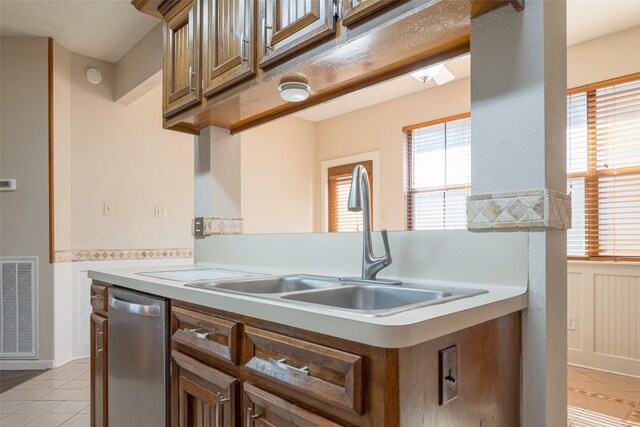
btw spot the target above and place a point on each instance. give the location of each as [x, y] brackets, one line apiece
[98, 371]
[355, 10]
[291, 25]
[228, 44]
[203, 396]
[181, 57]
[262, 409]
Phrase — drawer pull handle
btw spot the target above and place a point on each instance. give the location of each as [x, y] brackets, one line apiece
[250, 417]
[195, 333]
[282, 364]
[97, 297]
[219, 410]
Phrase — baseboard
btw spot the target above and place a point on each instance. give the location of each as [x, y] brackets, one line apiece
[25, 365]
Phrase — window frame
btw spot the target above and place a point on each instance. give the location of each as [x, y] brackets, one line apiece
[592, 174]
[410, 192]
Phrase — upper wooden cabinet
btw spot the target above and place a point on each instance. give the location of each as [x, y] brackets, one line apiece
[181, 87]
[355, 10]
[228, 43]
[288, 26]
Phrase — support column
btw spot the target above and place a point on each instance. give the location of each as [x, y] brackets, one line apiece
[518, 121]
[218, 181]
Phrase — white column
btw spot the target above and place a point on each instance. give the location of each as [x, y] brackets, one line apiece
[518, 110]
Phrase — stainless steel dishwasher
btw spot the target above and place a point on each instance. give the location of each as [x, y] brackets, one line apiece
[138, 356]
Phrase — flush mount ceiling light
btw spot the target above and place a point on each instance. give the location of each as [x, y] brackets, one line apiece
[439, 73]
[294, 91]
[94, 76]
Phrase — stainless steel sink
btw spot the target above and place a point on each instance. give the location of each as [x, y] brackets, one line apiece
[278, 284]
[361, 297]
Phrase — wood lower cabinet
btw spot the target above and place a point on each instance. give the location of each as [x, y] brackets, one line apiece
[265, 409]
[99, 369]
[228, 43]
[181, 68]
[287, 26]
[203, 396]
[355, 10]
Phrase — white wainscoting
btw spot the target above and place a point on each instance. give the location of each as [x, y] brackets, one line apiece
[72, 307]
[605, 298]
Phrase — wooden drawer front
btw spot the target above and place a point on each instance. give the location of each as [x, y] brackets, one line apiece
[206, 397]
[319, 372]
[207, 334]
[265, 410]
[99, 297]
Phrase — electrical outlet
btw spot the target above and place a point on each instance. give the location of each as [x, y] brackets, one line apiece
[160, 212]
[571, 322]
[107, 209]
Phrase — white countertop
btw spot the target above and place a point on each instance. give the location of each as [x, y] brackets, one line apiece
[396, 331]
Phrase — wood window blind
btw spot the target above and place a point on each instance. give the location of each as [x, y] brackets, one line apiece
[340, 218]
[603, 167]
[437, 173]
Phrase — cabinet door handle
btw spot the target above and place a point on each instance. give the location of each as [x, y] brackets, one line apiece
[266, 27]
[191, 74]
[250, 417]
[195, 333]
[243, 58]
[282, 364]
[220, 410]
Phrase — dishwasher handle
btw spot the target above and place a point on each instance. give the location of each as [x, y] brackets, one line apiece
[132, 308]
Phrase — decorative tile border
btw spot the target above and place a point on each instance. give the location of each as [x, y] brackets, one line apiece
[523, 209]
[631, 403]
[77, 255]
[216, 225]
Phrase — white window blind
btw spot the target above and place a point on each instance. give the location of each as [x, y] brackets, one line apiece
[603, 143]
[437, 173]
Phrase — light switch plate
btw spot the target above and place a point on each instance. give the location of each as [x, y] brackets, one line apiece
[448, 374]
[7, 185]
[107, 209]
[571, 322]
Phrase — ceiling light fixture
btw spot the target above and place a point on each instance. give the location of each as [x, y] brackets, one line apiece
[439, 73]
[294, 91]
[94, 76]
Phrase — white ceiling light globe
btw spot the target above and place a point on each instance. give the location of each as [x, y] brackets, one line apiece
[294, 91]
[94, 76]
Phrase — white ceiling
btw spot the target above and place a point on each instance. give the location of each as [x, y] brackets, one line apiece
[103, 29]
[586, 20]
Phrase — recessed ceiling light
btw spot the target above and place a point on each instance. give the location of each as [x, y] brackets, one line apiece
[294, 91]
[439, 73]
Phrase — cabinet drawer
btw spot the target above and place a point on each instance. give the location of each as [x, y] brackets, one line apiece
[265, 409]
[320, 372]
[207, 334]
[99, 298]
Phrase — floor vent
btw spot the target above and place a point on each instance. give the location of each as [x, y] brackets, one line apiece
[18, 308]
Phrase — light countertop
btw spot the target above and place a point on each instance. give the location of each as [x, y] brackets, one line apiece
[395, 331]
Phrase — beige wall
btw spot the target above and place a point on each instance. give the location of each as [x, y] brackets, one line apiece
[121, 154]
[278, 177]
[24, 135]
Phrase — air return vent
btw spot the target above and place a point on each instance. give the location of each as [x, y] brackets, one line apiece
[18, 308]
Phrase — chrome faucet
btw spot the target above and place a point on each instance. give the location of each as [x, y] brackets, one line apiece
[359, 201]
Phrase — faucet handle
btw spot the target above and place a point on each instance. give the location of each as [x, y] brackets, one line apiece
[387, 251]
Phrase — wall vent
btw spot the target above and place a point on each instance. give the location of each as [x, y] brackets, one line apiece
[18, 285]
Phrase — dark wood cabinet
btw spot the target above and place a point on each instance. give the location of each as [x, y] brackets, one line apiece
[262, 409]
[203, 396]
[228, 43]
[181, 68]
[355, 10]
[287, 26]
[98, 360]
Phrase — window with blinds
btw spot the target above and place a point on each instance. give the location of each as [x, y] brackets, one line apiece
[603, 167]
[437, 173]
[339, 185]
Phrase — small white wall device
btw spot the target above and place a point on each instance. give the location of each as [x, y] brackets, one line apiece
[7, 185]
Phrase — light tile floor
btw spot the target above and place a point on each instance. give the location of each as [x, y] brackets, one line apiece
[60, 397]
[57, 397]
[600, 399]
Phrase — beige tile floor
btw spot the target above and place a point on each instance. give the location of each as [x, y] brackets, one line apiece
[600, 399]
[60, 397]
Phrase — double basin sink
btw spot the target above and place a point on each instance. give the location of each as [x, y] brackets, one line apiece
[354, 296]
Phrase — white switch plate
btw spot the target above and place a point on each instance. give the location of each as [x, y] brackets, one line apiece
[571, 322]
[160, 212]
[8, 184]
[108, 209]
